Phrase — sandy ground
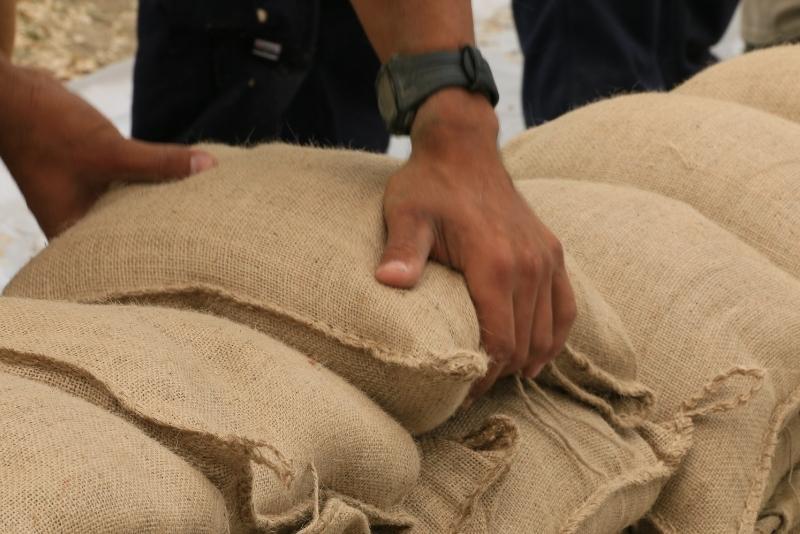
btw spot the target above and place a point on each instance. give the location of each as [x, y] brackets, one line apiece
[73, 38]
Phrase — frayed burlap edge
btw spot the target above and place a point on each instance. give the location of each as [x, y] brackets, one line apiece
[499, 433]
[463, 365]
[235, 452]
[769, 443]
[694, 408]
[669, 458]
[636, 399]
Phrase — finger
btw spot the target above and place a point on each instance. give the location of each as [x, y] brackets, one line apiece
[564, 311]
[408, 245]
[542, 330]
[138, 161]
[524, 306]
[482, 386]
[492, 293]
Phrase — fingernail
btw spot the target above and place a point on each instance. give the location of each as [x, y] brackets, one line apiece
[201, 161]
[395, 266]
[535, 370]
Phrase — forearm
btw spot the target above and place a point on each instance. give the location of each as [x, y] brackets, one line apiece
[415, 26]
[8, 15]
[419, 26]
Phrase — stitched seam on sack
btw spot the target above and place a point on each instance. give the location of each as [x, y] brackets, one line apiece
[626, 388]
[623, 481]
[244, 451]
[692, 407]
[768, 443]
[237, 445]
[618, 419]
[668, 460]
[459, 363]
[555, 412]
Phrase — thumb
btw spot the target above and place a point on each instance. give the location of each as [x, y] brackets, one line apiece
[408, 245]
[139, 161]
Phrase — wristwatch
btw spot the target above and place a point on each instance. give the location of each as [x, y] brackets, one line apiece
[405, 82]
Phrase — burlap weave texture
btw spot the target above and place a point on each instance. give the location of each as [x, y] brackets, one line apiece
[285, 240]
[277, 434]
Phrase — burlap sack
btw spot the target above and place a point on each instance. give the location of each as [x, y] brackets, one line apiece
[736, 165]
[286, 240]
[699, 305]
[530, 459]
[786, 457]
[67, 465]
[765, 79]
[276, 433]
[781, 515]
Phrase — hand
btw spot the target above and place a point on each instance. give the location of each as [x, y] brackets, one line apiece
[454, 202]
[64, 154]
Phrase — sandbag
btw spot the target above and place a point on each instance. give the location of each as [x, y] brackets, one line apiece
[781, 515]
[70, 466]
[527, 458]
[285, 240]
[276, 433]
[764, 79]
[736, 165]
[705, 313]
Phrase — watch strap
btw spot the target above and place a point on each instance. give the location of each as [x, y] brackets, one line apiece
[417, 77]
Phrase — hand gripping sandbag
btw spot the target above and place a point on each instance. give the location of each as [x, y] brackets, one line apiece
[736, 165]
[705, 313]
[276, 433]
[286, 240]
[765, 79]
[70, 466]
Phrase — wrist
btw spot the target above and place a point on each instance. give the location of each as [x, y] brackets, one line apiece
[453, 120]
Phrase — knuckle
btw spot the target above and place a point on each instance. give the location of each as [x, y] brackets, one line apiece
[569, 311]
[533, 264]
[503, 263]
[557, 251]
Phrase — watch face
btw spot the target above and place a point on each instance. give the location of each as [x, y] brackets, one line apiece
[386, 101]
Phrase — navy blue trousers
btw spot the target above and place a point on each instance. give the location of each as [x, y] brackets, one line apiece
[303, 71]
[247, 71]
[578, 51]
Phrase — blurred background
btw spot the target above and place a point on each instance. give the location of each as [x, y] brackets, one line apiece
[89, 44]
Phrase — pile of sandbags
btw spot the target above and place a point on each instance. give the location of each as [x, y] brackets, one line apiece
[284, 240]
[228, 332]
[134, 419]
[702, 189]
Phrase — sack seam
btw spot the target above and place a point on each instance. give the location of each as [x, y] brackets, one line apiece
[240, 446]
[769, 442]
[460, 363]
